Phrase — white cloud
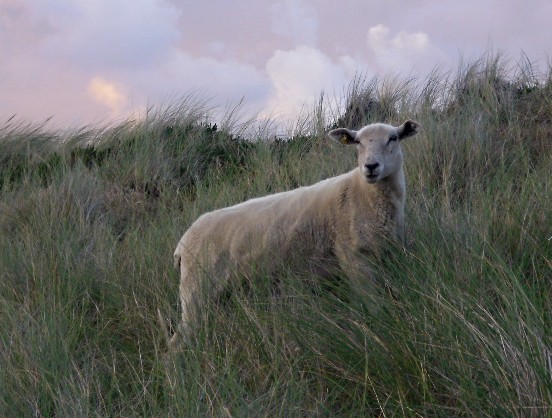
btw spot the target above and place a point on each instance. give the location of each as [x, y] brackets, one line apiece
[107, 94]
[403, 52]
[217, 48]
[300, 74]
[417, 42]
[295, 20]
[223, 80]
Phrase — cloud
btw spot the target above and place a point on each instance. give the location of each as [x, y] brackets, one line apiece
[20, 29]
[402, 52]
[82, 60]
[107, 94]
[301, 73]
[295, 20]
[56, 49]
[102, 33]
[215, 80]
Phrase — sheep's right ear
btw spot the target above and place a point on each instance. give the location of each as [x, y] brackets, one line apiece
[344, 136]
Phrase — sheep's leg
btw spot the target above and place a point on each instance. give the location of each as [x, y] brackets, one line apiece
[365, 283]
[356, 266]
[188, 301]
[189, 298]
[197, 287]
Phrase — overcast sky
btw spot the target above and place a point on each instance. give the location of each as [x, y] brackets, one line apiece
[90, 61]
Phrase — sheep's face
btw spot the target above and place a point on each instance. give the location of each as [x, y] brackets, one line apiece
[378, 146]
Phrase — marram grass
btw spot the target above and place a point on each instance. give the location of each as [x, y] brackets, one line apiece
[460, 327]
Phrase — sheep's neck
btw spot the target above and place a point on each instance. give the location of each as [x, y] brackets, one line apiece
[389, 195]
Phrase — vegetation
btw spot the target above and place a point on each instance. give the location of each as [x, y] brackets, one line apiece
[89, 220]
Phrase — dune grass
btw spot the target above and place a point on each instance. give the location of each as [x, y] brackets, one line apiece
[89, 220]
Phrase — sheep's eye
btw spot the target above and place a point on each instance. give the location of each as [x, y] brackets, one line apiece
[393, 138]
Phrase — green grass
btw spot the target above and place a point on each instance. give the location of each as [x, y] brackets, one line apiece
[89, 220]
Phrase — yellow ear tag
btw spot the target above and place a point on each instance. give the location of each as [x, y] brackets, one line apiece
[344, 139]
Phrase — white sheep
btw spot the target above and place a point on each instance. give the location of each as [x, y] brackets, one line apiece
[315, 228]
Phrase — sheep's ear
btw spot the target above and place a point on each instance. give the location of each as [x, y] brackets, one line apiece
[408, 129]
[344, 136]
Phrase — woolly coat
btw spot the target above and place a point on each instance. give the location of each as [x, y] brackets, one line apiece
[318, 229]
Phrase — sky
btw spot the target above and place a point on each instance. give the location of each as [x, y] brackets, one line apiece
[83, 62]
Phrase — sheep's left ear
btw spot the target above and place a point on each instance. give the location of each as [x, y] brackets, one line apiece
[408, 129]
[344, 136]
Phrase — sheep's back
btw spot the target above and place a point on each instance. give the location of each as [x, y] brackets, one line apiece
[288, 227]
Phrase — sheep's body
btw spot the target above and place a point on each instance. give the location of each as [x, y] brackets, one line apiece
[315, 228]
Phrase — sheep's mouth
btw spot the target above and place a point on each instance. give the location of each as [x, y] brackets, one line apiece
[372, 178]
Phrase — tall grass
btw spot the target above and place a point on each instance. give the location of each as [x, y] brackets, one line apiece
[89, 220]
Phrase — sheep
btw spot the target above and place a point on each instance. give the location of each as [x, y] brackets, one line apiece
[314, 228]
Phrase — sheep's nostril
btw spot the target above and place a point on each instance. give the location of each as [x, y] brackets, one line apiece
[371, 167]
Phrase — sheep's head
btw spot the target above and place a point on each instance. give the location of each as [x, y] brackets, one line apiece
[378, 146]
